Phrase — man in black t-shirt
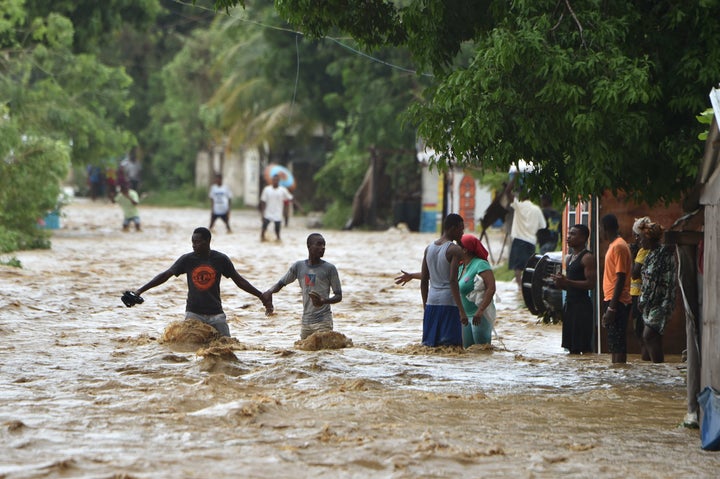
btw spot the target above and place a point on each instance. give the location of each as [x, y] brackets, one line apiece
[204, 268]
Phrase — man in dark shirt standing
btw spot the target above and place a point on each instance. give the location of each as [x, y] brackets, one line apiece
[204, 268]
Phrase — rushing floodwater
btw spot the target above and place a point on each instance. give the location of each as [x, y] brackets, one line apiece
[88, 390]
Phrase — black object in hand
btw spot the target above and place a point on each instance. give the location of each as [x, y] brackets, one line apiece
[131, 299]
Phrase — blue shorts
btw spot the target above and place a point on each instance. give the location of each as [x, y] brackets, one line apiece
[441, 326]
[132, 219]
[223, 217]
[520, 252]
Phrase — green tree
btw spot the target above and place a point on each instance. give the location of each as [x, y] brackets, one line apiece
[263, 96]
[97, 23]
[277, 81]
[179, 125]
[374, 95]
[55, 107]
[144, 48]
[596, 93]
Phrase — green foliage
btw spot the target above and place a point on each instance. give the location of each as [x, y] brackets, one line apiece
[434, 30]
[31, 169]
[373, 96]
[257, 101]
[494, 180]
[13, 261]
[9, 240]
[503, 273]
[595, 93]
[706, 119]
[371, 22]
[54, 93]
[226, 5]
[265, 93]
[56, 107]
[581, 108]
[144, 47]
[177, 129]
[342, 174]
[96, 22]
[337, 214]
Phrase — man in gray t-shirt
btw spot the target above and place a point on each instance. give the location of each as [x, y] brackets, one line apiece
[317, 278]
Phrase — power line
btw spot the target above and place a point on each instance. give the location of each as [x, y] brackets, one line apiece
[332, 39]
[297, 77]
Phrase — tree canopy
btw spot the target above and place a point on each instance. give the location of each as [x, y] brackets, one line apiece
[96, 23]
[56, 106]
[317, 103]
[597, 94]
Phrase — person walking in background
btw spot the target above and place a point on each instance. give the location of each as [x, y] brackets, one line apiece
[616, 289]
[111, 184]
[527, 220]
[317, 278]
[96, 181]
[132, 169]
[657, 297]
[577, 318]
[128, 200]
[204, 269]
[220, 201]
[638, 254]
[477, 289]
[272, 201]
[444, 315]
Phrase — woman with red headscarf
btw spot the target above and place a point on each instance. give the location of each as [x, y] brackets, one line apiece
[477, 288]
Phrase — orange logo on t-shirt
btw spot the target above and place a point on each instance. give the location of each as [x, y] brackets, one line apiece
[203, 277]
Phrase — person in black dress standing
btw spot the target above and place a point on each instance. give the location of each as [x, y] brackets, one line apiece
[577, 329]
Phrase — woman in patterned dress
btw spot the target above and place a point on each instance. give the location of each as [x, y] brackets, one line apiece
[657, 295]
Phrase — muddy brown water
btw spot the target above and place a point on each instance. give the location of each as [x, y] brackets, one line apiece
[88, 389]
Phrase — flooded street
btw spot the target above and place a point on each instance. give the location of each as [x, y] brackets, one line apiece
[88, 390]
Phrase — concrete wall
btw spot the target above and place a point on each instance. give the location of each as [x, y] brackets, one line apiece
[240, 170]
[250, 160]
[203, 170]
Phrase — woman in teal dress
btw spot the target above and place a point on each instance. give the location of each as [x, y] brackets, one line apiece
[476, 293]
